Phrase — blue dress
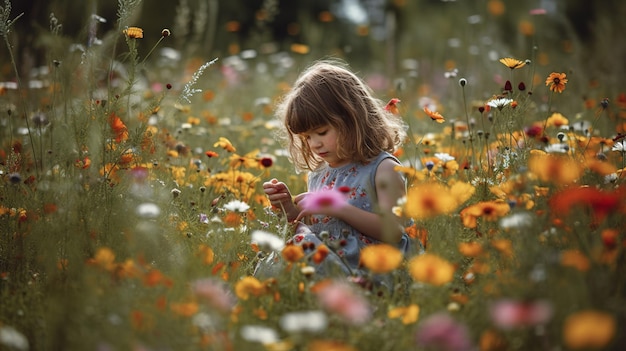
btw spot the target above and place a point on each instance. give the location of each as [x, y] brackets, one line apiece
[344, 241]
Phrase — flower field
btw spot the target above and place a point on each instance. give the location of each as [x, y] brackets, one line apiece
[132, 214]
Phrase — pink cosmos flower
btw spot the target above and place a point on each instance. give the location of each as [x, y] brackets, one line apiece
[441, 332]
[509, 314]
[342, 299]
[325, 198]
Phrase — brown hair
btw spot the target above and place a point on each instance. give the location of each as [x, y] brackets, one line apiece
[328, 93]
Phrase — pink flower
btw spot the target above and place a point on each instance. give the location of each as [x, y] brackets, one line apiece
[215, 292]
[342, 299]
[441, 332]
[325, 198]
[509, 314]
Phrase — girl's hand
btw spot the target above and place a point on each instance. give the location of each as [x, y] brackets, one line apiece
[280, 197]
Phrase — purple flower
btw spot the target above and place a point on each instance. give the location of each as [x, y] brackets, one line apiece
[441, 332]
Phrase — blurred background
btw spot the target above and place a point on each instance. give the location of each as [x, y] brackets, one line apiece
[395, 37]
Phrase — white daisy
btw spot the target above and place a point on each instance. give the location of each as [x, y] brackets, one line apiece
[237, 206]
[267, 241]
[499, 103]
[619, 146]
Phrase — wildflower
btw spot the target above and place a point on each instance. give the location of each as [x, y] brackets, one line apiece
[211, 154]
[441, 332]
[329, 345]
[462, 82]
[119, 128]
[104, 258]
[381, 258]
[489, 210]
[237, 206]
[215, 293]
[323, 199]
[431, 269]
[557, 120]
[133, 32]
[434, 115]
[320, 254]
[499, 103]
[588, 329]
[602, 203]
[408, 314]
[293, 253]
[148, 210]
[392, 106]
[556, 82]
[260, 334]
[343, 300]
[165, 33]
[471, 249]
[619, 146]
[491, 340]
[249, 286]
[554, 168]
[517, 220]
[307, 321]
[300, 48]
[225, 144]
[429, 200]
[575, 259]
[267, 241]
[512, 63]
[12, 338]
[15, 178]
[509, 314]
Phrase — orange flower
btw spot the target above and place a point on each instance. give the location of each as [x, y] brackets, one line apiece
[119, 128]
[434, 115]
[556, 82]
[504, 246]
[512, 63]
[409, 314]
[489, 210]
[232, 219]
[381, 258]
[320, 254]
[293, 253]
[225, 144]
[575, 259]
[104, 258]
[431, 269]
[329, 345]
[249, 286]
[557, 120]
[558, 169]
[133, 32]
[392, 106]
[185, 309]
[588, 330]
[470, 249]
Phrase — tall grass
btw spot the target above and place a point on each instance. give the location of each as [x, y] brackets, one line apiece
[130, 191]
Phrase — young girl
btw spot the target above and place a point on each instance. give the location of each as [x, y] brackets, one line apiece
[337, 131]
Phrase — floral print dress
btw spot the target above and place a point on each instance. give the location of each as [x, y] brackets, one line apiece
[358, 182]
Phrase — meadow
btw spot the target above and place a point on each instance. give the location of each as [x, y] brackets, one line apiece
[131, 164]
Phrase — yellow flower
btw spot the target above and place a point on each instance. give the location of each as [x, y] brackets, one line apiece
[409, 314]
[249, 286]
[431, 269]
[557, 169]
[133, 32]
[225, 144]
[381, 258]
[512, 63]
[556, 82]
[588, 330]
[429, 200]
[293, 253]
[557, 120]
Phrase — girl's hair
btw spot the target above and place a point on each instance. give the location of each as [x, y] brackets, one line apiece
[328, 93]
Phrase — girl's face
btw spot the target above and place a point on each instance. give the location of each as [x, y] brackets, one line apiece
[323, 142]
